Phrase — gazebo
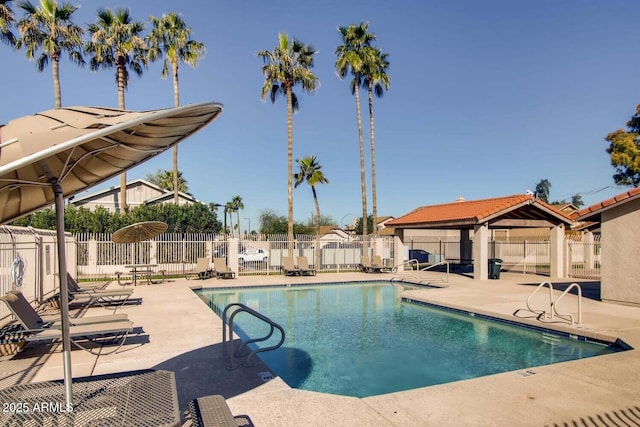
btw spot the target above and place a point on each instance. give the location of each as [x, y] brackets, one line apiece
[480, 216]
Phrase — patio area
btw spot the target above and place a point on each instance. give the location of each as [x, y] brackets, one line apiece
[176, 331]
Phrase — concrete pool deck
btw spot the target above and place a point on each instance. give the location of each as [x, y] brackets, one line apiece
[176, 331]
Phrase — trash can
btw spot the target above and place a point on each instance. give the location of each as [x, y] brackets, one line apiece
[495, 264]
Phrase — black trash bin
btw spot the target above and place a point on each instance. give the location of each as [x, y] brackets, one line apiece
[495, 264]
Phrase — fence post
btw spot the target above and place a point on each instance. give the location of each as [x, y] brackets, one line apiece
[556, 251]
[589, 251]
[232, 254]
[398, 251]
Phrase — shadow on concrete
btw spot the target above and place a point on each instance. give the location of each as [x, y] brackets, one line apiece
[590, 290]
[622, 417]
[204, 372]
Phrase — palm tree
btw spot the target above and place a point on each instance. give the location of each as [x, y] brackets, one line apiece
[311, 173]
[289, 64]
[228, 209]
[6, 22]
[376, 81]
[116, 43]
[165, 179]
[49, 29]
[237, 205]
[170, 36]
[352, 56]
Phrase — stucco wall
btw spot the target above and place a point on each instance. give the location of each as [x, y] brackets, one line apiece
[621, 253]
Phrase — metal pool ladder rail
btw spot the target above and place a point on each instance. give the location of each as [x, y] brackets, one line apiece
[227, 338]
[553, 304]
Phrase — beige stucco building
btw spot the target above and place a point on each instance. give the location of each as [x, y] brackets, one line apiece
[620, 227]
[139, 192]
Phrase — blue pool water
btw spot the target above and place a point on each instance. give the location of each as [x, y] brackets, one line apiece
[361, 340]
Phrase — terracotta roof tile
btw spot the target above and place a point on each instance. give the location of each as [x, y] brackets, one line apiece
[464, 211]
[622, 197]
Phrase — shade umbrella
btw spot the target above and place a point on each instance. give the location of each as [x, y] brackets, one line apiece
[57, 153]
[139, 232]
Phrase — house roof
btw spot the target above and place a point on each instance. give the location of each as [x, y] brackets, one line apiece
[593, 212]
[105, 191]
[520, 208]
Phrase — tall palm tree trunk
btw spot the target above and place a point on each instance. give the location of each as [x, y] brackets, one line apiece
[123, 176]
[176, 102]
[317, 251]
[290, 168]
[363, 183]
[374, 191]
[55, 66]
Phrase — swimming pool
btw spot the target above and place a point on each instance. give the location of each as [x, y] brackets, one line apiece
[361, 340]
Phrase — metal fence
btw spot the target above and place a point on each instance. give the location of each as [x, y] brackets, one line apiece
[99, 257]
[523, 256]
[583, 257]
[29, 262]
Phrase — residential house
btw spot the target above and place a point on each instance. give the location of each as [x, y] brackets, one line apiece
[139, 192]
[619, 219]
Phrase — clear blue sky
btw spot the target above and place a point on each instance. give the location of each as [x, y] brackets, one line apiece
[487, 99]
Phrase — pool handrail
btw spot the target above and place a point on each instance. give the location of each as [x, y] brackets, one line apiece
[553, 312]
[227, 344]
[542, 313]
[417, 268]
[563, 316]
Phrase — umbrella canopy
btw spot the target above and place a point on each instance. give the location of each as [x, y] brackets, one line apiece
[83, 146]
[58, 153]
[139, 231]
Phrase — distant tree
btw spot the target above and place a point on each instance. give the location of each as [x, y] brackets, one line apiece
[7, 20]
[44, 219]
[324, 220]
[287, 65]
[49, 30]
[116, 42]
[311, 173]
[576, 200]
[171, 37]
[624, 149]
[188, 218]
[359, 226]
[272, 223]
[352, 56]
[164, 179]
[542, 190]
[237, 206]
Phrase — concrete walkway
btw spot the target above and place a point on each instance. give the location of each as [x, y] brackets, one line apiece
[175, 330]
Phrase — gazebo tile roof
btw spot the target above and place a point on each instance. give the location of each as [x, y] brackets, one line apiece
[473, 211]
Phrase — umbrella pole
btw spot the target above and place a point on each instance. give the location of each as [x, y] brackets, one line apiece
[64, 294]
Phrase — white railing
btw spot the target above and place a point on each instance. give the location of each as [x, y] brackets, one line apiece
[552, 311]
[99, 257]
[583, 257]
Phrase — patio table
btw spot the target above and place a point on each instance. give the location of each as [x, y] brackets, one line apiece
[135, 398]
[141, 270]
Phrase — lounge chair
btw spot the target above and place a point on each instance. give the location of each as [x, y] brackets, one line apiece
[221, 270]
[210, 411]
[377, 262]
[288, 268]
[94, 332]
[367, 266]
[30, 319]
[201, 271]
[303, 266]
[96, 296]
